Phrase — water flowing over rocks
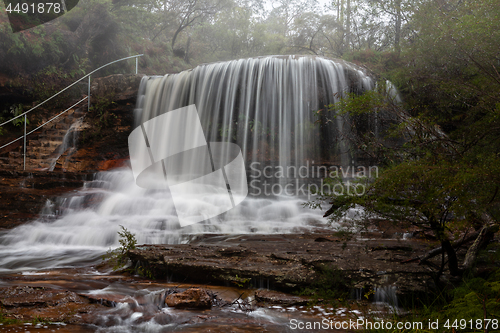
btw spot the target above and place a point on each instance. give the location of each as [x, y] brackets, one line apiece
[274, 245]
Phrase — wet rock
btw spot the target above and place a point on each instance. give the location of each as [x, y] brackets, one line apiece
[118, 87]
[287, 263]
[109, 300]
[23, 194]
[103, 141]
[28, 303]
[193, 298]
[270, 297]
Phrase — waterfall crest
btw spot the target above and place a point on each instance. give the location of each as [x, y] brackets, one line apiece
[265, 105]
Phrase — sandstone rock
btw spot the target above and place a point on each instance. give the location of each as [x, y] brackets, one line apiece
[193, 298]
[270, 297]
[119, 87]
[56, 305]
[23, 194]
[287, 262]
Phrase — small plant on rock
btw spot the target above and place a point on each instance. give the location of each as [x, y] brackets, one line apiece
[118, 257]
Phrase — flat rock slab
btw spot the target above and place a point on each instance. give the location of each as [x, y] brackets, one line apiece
[27, 303]
[286, 262]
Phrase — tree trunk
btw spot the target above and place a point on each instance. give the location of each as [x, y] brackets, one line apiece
[397, 36]
[484, 237]
[186, 56]
[175, 37]
[452, 257]
[348, 26]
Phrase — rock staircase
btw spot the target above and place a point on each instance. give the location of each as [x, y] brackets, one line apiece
[44, 149]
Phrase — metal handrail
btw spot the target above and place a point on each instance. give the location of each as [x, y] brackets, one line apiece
[48, 99]
[19, 138]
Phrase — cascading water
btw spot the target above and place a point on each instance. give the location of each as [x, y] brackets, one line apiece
[386, 295]
[264, 105]
[68, 145]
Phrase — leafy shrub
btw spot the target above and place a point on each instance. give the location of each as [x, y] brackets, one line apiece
[118, 257]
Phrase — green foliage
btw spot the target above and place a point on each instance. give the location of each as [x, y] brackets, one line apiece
[444, 182]
[476, 298]
[331, 286]
[145, 272]
[241, 282]
[102, 120]
[101, 109]
[118, 257]
[16, 110]
[40, 320]
[8, 321]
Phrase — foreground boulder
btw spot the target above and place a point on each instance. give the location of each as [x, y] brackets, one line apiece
[193, 298]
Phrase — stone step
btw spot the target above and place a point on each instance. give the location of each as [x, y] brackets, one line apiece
[55, 137]
[52, 133]
[14, 154]
[36, 149]
[38, 155]
[37, 162]
[60, 125]
[51, 144]
[32, 149]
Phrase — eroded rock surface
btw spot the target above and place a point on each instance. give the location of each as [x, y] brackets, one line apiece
[193, 298]
[287, 262]
[28, 303]
[23, 194]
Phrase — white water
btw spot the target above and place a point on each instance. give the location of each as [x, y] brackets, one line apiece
[268, 106]
[386, 295]
[273, 96]
[81, 227]
[69, 142]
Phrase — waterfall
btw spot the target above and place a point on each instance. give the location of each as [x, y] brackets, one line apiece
[266, 106]
[386, 295]
[68, 144]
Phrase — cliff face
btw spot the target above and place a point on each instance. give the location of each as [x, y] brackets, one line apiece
[101, 144]
[102, 138]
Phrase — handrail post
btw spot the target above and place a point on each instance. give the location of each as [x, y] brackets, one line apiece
[88, 104]
[136, 64]
[24, 165]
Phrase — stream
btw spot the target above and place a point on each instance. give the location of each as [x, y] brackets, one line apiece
[62, 250]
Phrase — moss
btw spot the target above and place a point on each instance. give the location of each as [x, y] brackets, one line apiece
[331, 286]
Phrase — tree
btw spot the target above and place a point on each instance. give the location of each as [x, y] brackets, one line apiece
[178, 15]
[445, 178]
